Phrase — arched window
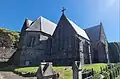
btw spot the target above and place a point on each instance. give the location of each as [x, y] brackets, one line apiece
[31, 41]
[69, 43]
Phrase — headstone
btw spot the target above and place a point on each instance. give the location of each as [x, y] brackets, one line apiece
[46, 71]
[77, 70]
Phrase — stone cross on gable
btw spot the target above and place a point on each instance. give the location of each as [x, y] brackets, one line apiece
[63, 9]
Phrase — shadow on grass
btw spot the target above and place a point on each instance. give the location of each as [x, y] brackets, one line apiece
[25, 74]
[5, 67]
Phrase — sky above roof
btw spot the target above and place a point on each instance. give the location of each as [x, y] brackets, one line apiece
[85, 13]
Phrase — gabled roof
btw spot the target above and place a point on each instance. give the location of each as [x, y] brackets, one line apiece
[93, 33]
[42, 24]
[96, 33]
[78, 30]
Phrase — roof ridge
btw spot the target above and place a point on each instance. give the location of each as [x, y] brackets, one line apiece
[42, 24]
[93, 26]
[77, 28]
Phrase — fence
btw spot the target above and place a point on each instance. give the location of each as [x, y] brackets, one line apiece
[88, 74]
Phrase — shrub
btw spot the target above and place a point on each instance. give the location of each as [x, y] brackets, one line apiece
[97, 76]
[111, 74]
[106, 75]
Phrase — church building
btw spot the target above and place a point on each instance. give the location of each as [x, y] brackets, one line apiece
[62, 43]
[99, 44]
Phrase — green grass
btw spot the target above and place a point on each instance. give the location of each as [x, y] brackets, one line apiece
[65, 71]
[96, 67]
[27, 69]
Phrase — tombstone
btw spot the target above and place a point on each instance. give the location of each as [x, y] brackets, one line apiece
[77, 70]
[45, 71]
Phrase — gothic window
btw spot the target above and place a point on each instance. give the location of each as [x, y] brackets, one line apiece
[65, 44]
[31, 41]
[69, 43]
[60, 37]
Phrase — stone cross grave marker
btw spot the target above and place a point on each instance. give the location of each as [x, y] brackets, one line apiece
[45, 71]
[77, 70]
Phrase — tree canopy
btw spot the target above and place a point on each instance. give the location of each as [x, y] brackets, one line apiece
[8, 38]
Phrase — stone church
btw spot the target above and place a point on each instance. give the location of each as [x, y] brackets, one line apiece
[62, 43]
[99, 44]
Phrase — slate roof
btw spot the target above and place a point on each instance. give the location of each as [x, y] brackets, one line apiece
[42, 24]
[78, 30]
[93, 32]
[96, 33]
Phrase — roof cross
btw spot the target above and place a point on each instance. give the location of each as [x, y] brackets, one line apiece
[63, 9]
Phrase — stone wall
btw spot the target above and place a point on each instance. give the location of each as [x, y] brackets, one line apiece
[6, 53]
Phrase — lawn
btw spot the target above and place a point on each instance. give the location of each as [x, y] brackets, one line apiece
[65, 71]
[96, 67]
[27, 69]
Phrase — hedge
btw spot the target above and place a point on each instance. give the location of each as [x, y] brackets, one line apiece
[108, 73]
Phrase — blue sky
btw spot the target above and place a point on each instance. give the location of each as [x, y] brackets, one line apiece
[85, 13]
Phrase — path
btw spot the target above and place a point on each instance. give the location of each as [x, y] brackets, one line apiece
[11, 75]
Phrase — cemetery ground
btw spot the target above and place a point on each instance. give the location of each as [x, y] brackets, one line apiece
[65, 71]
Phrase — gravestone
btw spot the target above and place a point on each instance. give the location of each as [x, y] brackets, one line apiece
[77, 70]
[45, 71]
